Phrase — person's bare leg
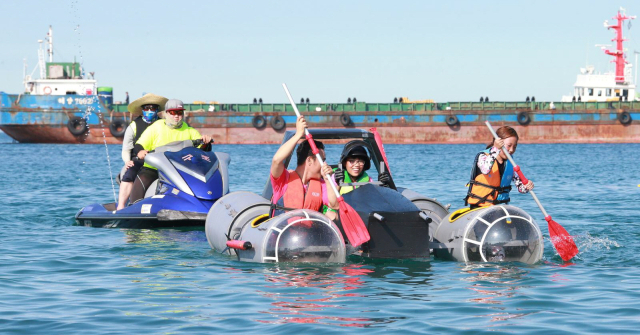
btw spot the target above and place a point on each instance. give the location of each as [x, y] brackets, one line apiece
[123, 195]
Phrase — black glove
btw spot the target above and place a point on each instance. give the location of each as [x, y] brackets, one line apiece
[384, 178]
[339, 175]
[207, 146]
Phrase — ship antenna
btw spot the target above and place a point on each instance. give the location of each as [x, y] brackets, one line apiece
[619, 52]
[50, 38]
[635, 77]
[24, 72]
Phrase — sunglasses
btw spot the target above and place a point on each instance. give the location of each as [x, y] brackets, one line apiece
[355, 161]
[175, 112]
[150, 108]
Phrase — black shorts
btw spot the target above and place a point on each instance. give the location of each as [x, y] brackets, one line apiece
[144, 179]
[132, 172]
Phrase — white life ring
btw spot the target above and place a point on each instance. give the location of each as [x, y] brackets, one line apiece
[46, 90]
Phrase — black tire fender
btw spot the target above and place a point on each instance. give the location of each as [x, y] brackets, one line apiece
[259, 122]
[345, 119]
[117, 127]
[524, 118]
[278, 123]
[77, 126]
[624, 118]
[452, 120]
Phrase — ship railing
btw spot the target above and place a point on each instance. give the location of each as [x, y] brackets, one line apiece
[436, 108]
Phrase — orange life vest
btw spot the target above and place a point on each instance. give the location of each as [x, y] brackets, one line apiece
[492, 188]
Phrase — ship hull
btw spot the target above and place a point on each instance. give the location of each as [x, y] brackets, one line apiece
[444, 135]
[35, 119]
[57, 134]
[392, 134]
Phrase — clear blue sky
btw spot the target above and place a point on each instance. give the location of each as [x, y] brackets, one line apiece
[233, 51]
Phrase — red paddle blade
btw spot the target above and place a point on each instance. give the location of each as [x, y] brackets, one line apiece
[352, 224]
[562, 241]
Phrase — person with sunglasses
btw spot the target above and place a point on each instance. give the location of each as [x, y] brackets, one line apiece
[170, 129]
[144, 111]
[354, 162]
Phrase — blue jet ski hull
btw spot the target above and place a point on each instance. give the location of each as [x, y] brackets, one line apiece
[160, 211]
[189, 182]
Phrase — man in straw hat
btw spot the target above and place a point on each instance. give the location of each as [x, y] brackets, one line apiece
[170, 129]
[144, 112]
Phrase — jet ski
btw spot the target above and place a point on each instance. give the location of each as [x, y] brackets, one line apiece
[189, 182]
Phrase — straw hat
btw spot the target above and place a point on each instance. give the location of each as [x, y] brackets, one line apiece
[135, 107]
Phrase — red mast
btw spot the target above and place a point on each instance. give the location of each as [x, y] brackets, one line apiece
[619, 52]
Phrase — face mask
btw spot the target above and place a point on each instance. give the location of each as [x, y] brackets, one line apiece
[149, 116]
[172, 124]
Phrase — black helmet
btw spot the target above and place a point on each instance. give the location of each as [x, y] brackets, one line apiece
[355, 151]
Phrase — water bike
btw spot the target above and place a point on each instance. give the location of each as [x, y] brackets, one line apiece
[498, 233]
[189, 182]
[397, 219]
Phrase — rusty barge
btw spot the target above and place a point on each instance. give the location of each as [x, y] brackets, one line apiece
[453, 122]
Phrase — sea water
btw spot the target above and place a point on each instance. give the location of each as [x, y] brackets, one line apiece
[59, 278]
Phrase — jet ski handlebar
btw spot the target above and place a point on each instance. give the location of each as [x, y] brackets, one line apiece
[175, 146]
[199, 142]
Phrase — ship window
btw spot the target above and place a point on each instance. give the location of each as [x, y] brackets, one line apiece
[608, 92]
[591, 92]
[599, 93]
[581, 91]
[625, 93]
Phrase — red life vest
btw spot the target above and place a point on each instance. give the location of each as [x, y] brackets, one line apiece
[296, 197]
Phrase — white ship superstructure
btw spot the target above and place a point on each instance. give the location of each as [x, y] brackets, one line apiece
[57, 78]
[591, 86]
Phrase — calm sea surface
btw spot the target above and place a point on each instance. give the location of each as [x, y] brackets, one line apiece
[57, 278]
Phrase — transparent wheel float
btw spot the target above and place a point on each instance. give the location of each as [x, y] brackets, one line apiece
[500, 233]
[239, 225]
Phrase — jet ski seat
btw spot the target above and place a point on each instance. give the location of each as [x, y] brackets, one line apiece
[151, 191]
